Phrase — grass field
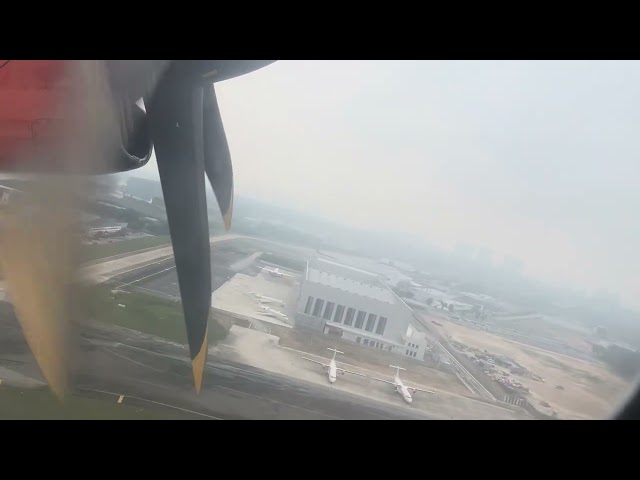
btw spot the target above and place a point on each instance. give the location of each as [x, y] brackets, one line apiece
[40, 404]
[144, 313]
[95, 252]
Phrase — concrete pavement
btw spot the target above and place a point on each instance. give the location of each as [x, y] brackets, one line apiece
[103, 271]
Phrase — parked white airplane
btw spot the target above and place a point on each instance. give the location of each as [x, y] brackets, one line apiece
[331, 368]
[404, 391]
[276, 272]
[264, 299]
[271, 312]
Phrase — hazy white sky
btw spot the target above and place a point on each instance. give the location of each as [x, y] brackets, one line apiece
[538, 160]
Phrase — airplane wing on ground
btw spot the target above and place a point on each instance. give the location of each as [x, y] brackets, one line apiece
[277, 272]
[349, 371]
[385, 381]
[264, 299]
[275, 314]
[315, 361]
[413, 389]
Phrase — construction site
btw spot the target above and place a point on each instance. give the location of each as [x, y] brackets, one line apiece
[556, 385]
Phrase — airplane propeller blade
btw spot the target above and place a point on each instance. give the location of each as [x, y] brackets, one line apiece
[182, 121]
[217, 157]
[37, 261]
[176, 125]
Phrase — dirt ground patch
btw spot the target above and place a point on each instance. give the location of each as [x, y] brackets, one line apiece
[574, 388]
[573, 337]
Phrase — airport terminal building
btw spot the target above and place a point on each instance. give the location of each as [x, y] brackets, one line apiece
[357, 306]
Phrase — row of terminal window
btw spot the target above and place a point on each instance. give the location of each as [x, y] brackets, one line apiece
[409, 352]
[372, 343]
[333, 312]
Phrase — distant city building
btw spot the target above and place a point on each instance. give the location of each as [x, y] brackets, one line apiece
[114, 230]
[357, 306]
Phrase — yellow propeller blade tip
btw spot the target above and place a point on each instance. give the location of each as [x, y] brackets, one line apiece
[36, 266]
[198, 363]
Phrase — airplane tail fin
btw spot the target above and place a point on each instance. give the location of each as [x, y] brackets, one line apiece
[335, 352]
[397, 369]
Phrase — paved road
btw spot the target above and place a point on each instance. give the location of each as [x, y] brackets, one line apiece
[119, 362]
[464, 375]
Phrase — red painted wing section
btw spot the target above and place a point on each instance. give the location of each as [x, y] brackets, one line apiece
[30, 91]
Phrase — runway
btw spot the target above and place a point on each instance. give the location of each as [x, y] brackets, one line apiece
[160, 278]
[118, 362]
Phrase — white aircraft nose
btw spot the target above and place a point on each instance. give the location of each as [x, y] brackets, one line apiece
[408, 399]
[332, 379]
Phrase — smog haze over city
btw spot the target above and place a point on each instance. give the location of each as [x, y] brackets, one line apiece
[528, 162]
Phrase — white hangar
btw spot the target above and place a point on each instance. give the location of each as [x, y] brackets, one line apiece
[357, 306]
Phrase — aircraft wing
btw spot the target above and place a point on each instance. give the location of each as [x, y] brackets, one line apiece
[315, 361]
[414, 389]
[349, 371]
[385, 381]
[274, 314]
